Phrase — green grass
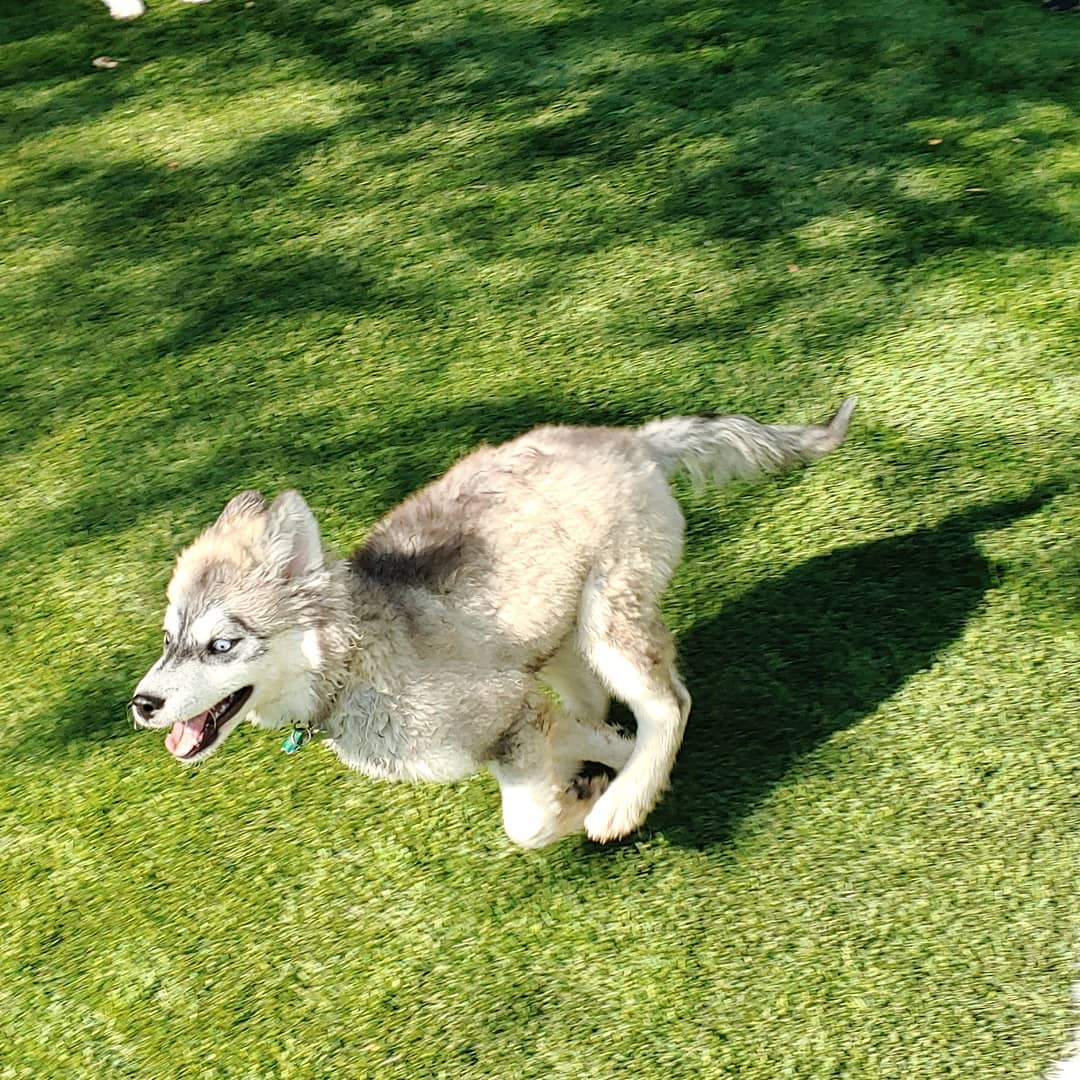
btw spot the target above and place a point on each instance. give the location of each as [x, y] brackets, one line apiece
[334, 246]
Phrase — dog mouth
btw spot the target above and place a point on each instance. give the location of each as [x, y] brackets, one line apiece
[190, 737]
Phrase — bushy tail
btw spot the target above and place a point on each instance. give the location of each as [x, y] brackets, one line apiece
[721, 448]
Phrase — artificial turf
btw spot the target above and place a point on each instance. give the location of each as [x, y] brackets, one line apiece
[335, 246]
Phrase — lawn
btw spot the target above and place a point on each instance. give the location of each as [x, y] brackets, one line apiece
[333, 247]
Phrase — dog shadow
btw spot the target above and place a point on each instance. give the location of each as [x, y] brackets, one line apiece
[812, 652]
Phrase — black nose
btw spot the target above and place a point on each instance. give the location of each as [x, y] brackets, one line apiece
[146, 705]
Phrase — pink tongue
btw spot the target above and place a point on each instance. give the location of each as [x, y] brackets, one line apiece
[185, 735]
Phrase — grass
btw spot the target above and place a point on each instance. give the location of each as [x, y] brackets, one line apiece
[334, 246]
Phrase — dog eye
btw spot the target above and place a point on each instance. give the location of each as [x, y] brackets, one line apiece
[221, 645]
[167, 638]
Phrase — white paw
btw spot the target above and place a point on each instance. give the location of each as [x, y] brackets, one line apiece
[125, 9]
[613, 818]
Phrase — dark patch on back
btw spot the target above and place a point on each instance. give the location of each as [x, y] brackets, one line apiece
[434, 565]
[425, 542]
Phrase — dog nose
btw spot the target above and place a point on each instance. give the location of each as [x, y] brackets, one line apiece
[145, 705]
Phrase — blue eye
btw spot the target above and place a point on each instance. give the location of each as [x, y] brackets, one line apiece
[221, 645]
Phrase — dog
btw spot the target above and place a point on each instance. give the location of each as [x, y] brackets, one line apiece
[486, 622]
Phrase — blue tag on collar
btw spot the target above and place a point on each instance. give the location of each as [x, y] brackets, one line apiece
[298, 738]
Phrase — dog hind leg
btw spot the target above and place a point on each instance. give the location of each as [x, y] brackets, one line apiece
[580, 692]
[632, 651]
[538, 766]
[574, 741]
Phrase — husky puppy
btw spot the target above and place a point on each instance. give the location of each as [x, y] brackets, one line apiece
[484, 623]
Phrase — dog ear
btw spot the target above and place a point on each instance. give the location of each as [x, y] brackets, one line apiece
[292, 537]
[246, 504]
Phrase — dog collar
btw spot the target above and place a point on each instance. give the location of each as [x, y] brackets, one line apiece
[302, 734]
[299, 737]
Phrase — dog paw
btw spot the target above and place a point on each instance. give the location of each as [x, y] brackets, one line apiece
[591, 781]
[611, 819]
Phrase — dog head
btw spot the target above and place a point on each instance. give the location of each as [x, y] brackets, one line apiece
[241, 628]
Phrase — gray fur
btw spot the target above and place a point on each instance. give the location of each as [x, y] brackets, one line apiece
[531, 567]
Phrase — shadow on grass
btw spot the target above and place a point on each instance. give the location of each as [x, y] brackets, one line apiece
[767, 125]
[90, 713]
[798, 658]
[310, 442]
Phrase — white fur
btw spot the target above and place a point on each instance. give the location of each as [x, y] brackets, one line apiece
[132, 9]
[125, 9]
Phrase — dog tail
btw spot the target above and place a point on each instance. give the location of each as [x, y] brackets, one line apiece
[722, 448]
